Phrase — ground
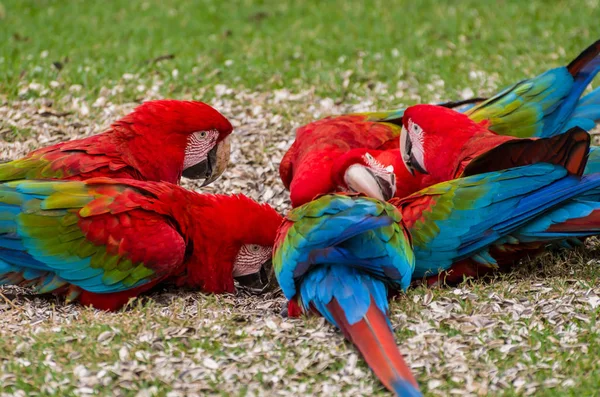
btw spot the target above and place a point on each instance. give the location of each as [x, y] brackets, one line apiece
[71, 67]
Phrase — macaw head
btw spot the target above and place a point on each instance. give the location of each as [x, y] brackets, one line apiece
[166, 139]
[359, 171]
[239, 235]
[432, 135]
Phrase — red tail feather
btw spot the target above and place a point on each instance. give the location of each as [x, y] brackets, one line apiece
[375, 341]
[590, 223]
[584, 58]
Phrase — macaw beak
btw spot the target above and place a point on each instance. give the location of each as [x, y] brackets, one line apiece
[408, 156]
[362, 179]
[262, 281]
[213, 166]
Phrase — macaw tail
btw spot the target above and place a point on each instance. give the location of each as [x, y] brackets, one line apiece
[374, 339]
[583, 69]
[576, 218]
[357, 304]
[587, 64]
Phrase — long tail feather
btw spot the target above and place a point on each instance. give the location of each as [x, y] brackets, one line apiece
[374, 339]
[582, 62]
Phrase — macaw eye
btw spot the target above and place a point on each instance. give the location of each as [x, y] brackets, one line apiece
[250, 258]
[254, 247]
[198, 145]
[416, 129]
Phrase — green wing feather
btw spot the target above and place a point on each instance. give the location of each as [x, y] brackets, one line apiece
[96, 237]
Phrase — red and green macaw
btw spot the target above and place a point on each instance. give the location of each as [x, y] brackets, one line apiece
[382, 174]
[102, 241]
[442, 144]
[341, 256]
[159, 141]
[569, 150]
[306, 167]
[544, 106]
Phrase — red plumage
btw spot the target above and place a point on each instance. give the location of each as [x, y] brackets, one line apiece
[373, 337]
[306, 167]
[448, 144]
[147, 144]
[136, 234]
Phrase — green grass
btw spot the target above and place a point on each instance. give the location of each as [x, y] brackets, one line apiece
[275, 44]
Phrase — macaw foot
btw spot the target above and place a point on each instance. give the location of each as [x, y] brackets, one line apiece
[458, 273]
[291, 310]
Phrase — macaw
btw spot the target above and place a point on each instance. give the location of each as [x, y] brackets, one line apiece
[306, 166]
[341, 256]
[159, 141]
[569, 150]
[382, 174]
[543, 106]
[102, 241]
[442, 144]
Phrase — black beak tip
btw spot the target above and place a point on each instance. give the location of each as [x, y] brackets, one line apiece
[261, 280]
[387, 192]
[198, 171]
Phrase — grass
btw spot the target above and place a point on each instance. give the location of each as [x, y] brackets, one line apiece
[384, 54]
[265, 45]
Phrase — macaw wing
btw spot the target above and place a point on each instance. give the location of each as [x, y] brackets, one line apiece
[102, 238]
[359, 232]
[543, 105]
[65, 161]
[454, 220]
[568, 150]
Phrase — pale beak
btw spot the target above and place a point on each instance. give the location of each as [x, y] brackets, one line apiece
[213, 166]
[361, 179]
[408, 156]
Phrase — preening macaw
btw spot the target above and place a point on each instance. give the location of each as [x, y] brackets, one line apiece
[543, 106]
[340, 256]
[158, 141]
[381, 173]
[102, 241]
[306, 167]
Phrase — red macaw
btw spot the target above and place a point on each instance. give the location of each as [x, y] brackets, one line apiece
[306, 166]
[540, 107]
[380, 173]
[102, 241]
[342, 256]
[441, 144]
[158, 141]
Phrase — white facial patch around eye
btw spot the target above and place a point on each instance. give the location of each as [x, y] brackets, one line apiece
[250, 258]
[376, 166]
[198, 145]
[415, 132]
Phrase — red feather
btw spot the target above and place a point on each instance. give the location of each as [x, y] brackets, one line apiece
[306, 167]
[374, 339]
[128, 148]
